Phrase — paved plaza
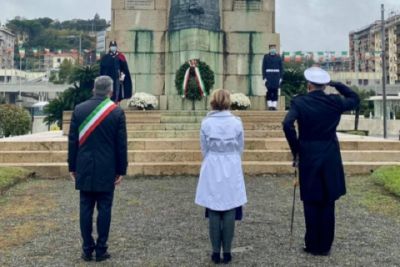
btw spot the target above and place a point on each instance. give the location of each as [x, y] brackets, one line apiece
[156, 223]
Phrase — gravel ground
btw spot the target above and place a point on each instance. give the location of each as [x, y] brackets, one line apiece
[155, 223]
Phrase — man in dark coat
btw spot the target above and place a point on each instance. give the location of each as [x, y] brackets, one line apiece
[97, 160]
[317, 151]
[114, 64]
[272, 73]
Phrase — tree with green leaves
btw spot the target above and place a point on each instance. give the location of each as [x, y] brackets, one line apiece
[64, 74]
[294, 82]
[51, 34]
[366, 107]
[82, 79]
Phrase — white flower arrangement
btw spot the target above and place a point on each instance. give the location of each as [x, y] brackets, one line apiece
[143, 101]
[240, 101]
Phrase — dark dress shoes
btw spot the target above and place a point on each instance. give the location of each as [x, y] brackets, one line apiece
[215, 257]
[317, 253]
[227, 258]
[103, 257]
[86, 257]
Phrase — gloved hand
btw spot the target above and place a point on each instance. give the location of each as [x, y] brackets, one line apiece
[333, 83]
[295, 163]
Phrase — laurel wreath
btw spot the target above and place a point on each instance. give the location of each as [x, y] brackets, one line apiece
[193, 91]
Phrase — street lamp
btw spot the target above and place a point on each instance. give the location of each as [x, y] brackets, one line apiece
[80, 43]
[383, 72]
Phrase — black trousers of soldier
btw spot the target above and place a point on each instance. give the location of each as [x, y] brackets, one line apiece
[103, 201]
[272, 94]
[320, 226]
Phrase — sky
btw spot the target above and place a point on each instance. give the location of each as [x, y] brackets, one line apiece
[306, 25]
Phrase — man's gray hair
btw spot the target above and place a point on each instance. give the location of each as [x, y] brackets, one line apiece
[103, 85]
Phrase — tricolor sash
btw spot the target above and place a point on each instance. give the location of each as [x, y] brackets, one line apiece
[95, 119]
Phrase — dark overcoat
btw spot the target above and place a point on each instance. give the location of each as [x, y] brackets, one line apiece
[103, 155]
[112, 65]
[272, 70]
[320, 164]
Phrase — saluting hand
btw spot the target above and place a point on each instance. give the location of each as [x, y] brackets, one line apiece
[118, 179]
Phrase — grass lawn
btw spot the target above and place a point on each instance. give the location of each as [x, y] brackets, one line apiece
[389, 178]
[10, 176]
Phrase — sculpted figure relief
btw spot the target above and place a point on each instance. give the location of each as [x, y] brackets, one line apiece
[203, 14]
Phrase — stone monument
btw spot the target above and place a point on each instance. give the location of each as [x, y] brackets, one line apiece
[231, 36]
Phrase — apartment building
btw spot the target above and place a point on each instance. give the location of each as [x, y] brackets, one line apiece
[366, 47]
[7, 42]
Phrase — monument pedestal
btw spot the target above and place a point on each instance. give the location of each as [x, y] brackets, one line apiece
[231, 36]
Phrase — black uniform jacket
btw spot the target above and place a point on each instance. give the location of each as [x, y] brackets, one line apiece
[320, 163]
[103, 155]
[272, 70]
[112, 65]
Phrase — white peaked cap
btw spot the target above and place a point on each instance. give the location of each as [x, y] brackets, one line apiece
[317, 75]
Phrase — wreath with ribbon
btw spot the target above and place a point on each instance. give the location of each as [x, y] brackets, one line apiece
[194, 80]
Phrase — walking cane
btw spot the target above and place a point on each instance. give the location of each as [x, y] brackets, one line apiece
[294, 202]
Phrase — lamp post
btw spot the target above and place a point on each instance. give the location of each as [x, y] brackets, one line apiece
[80, 44]
[383, 72]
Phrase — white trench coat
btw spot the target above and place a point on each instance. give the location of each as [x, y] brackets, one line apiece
[221, 182]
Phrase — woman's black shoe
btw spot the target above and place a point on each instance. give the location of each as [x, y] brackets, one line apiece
[215, 257]
[227, 258]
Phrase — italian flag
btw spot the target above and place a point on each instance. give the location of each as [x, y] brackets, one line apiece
[94, 119]
[321, 56]
[299, 56]
[22, 52]
[286, 56]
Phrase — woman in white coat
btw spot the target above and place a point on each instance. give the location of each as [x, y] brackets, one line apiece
[221, 189]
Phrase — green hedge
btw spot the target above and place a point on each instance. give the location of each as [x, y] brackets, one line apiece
[389, 178]
[14, 120]
[11, 176]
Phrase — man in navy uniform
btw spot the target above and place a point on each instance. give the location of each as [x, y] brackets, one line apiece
[272, 73]
[97, 160]
[316, 151]
[115, 65]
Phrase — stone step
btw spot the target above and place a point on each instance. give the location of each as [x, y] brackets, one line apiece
[155, 113]
[195, 134]
[193, 155]
[190, 126]
[55, 170]
[194, 144]
[196, 126]
[189, 119]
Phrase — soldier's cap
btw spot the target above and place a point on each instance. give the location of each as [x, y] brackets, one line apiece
[317, 75]
[113, 43]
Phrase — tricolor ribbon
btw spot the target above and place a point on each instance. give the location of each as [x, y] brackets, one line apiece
[199, 80]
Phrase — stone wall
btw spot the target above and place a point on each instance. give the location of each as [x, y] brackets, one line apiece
[373, 126]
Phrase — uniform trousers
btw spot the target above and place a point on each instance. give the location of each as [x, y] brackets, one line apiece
[320, 226]
[103, 201]
[272, 94]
